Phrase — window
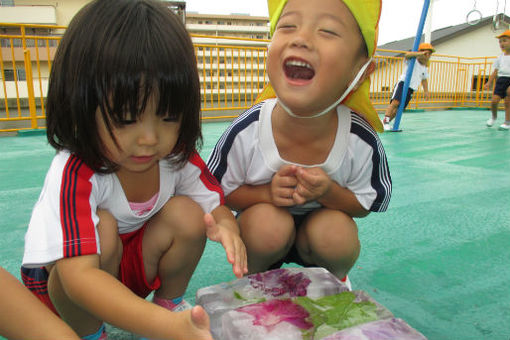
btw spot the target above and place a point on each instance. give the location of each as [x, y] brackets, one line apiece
[475, 86]
[6, 2]
[20, 74]
[10, 42]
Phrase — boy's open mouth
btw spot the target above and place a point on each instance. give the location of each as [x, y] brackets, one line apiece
[298, 69]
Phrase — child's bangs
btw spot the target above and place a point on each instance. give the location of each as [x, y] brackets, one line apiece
[120, 102]
[141, 59]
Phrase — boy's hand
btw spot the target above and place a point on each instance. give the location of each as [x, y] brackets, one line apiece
[486, 86]
[313, 183]
[283, 186]
[231, 241]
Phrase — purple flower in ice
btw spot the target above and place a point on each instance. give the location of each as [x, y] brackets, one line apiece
[270, 313]
[280, 281]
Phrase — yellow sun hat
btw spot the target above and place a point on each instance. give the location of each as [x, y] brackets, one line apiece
[504, 34]
[367, 14]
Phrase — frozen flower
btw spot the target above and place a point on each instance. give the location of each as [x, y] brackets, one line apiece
[270, 313]
[279, 282]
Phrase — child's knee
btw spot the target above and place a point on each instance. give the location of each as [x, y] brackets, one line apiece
[332, 235]
[183, 217]
[267, 228]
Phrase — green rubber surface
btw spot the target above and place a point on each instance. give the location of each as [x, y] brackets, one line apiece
[439, 258]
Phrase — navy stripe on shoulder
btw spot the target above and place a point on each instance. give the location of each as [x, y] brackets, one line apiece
[35, 279]
[217, 162]
[381, 179]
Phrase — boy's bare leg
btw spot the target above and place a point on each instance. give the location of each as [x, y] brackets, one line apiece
[391, 111]
[494, 106]
[507, 105]
[268, 232]
[329, 239]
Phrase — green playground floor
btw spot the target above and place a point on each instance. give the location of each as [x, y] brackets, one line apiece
[439, 258]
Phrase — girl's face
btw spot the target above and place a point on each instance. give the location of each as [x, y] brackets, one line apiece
[143, 142]
[314, 54]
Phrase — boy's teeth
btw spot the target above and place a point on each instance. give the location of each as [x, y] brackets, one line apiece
[298, 63]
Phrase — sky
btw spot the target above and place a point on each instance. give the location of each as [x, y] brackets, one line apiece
[399, 18]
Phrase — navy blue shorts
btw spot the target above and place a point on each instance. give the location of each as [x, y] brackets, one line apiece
[397, 93]
[293, 255]
[502, 83]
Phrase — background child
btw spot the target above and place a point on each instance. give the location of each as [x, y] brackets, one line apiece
[501, 90]
[420, 75]
[299, 168]
[121, 213]
[25, 317]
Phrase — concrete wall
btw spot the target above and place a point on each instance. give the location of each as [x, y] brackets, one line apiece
[478, 43]
[65, 9]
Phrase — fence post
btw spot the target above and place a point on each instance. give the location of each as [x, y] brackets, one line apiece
[30, 89]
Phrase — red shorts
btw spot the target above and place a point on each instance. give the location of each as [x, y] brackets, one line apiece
[131, 271]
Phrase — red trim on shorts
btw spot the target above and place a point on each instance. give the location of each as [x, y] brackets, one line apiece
[132, 268]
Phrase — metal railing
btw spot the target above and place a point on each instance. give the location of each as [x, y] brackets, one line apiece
[232, 73]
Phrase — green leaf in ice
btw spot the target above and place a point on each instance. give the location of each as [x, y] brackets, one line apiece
[335, 312]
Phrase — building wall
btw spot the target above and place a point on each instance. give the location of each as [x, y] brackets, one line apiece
[237, 25]
[234, 25]
[478, 43]
[64, 9]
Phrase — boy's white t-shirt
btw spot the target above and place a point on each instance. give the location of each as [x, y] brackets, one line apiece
[64, 219]
[247, 154]
[502, 64]
[420, 72]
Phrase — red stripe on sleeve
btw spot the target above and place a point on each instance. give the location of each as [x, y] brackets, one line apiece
[210, 182]
[75, 212]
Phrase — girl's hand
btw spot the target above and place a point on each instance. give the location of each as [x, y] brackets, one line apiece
[230, 240]
[200, 325]
[191, 324]
[283, 186]
[312, 183]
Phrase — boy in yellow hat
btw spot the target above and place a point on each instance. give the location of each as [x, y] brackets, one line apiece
[419, 76]
[502, 88]
[299, 167]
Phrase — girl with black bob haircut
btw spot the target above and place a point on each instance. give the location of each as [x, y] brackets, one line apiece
[127, 204]
[104, 60]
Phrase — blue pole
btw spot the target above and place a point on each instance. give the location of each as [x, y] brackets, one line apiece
[410, 65]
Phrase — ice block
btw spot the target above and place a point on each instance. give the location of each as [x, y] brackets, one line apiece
[301, 317]
[278, 283]
[388, 329]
